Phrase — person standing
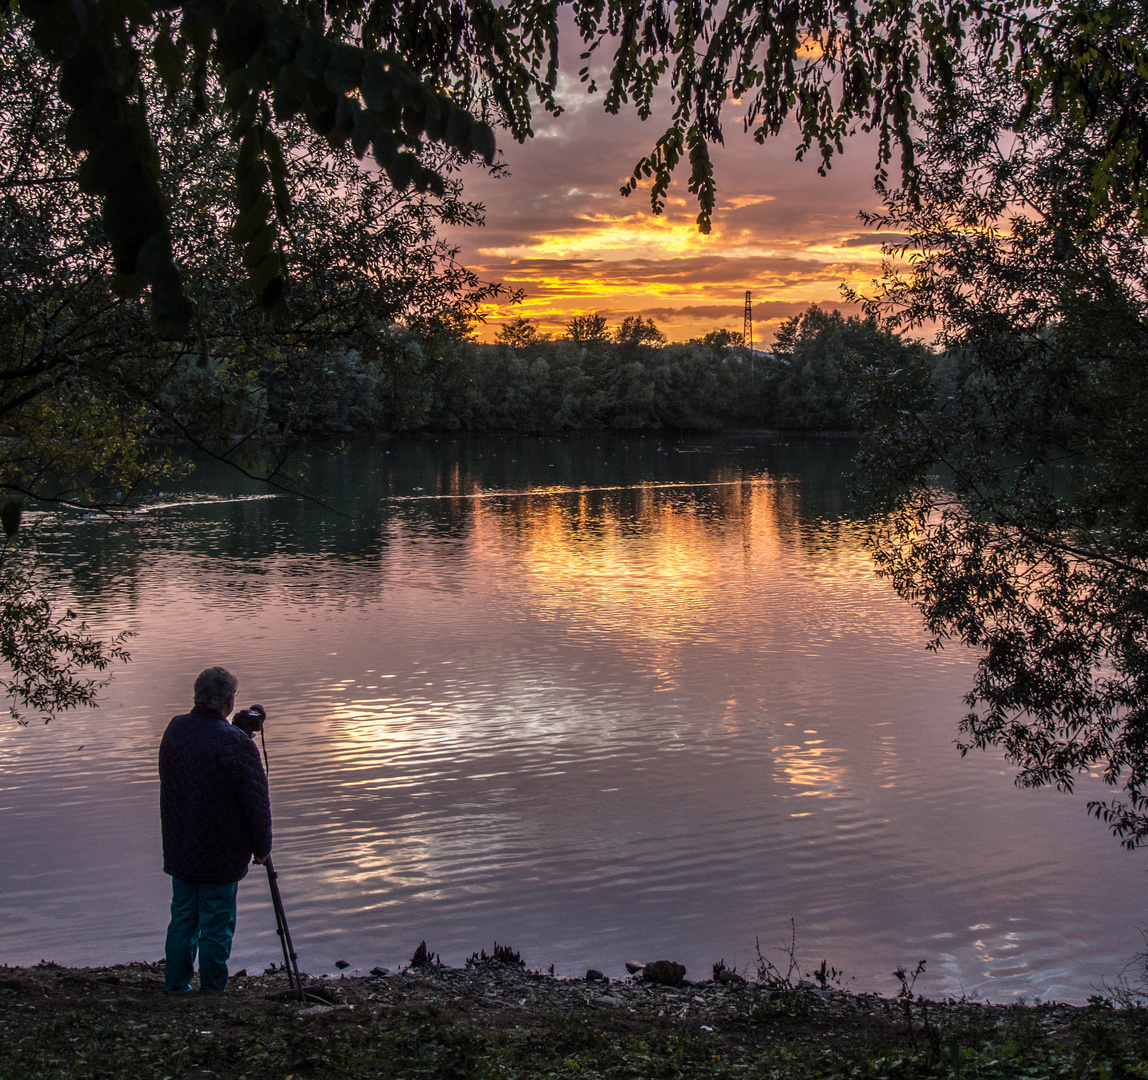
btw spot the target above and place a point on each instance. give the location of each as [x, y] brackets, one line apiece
[215, 815]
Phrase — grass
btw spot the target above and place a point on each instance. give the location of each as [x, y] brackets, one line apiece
[490, 1021]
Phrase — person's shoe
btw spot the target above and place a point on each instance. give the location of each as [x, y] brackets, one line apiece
[178, 993]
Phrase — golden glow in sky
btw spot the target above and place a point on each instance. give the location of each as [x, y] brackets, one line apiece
[558, 229]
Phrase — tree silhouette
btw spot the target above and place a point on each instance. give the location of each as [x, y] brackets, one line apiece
[519, 333]
[395, 77]
[584, 328]
[1034, 550]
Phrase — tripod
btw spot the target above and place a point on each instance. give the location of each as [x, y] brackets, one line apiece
[290, 957]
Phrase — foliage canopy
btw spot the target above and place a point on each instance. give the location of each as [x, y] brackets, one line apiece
[93, 400]
[397, 77]
[1033, 547]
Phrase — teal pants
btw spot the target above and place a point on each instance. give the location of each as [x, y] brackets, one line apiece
[203, 919]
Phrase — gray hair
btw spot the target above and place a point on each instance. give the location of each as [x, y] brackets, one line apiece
[214, 688]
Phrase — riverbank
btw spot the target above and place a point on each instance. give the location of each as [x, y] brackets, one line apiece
[497, 1020]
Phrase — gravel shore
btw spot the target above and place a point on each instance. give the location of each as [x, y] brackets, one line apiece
[496, 1019]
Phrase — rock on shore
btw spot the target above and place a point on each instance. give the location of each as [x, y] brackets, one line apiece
[497, 1019]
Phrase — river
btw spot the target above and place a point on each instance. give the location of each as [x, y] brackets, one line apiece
[599, 699]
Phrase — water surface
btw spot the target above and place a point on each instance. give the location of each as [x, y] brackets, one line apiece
[599, 699]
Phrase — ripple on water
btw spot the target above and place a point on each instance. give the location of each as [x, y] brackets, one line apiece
[638, 721]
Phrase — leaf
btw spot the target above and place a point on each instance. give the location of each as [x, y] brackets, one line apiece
[262, 273]
[277, 168]
[407, 90]
[170, 60]
[128, 286]
[282, 197]
[437, 116]
[272, 294]
[107, 161]
[384, 147]
[320, 107]
[376, 85]
[289, 93]
[413, 120]
[260, 246]
[56, 31]
[239, 34]
[10, 515]
[250, 186]
[482, 139]
[313, 54]
[400, 168]
[154, 257]
[250, 221]
[343, 69]
[362, 133]
[281, 39]
[272, 151]
[171, 320]
[346, 112]
[458, 130]
[124, 216]
[83, 129]
[250, 152]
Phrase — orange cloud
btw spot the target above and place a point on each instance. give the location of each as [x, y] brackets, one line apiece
[557, 228]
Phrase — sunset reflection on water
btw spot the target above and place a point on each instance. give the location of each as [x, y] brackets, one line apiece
[601, 699]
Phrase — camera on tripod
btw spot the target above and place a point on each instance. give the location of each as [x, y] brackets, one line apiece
[250, 719]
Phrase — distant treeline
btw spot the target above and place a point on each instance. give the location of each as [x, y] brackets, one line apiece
[595, 379]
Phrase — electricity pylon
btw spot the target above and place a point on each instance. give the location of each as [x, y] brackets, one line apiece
[747, 329]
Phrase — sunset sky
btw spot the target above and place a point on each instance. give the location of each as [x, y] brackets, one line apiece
[557, 228]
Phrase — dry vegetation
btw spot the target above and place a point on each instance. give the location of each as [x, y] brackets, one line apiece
[498, 1020]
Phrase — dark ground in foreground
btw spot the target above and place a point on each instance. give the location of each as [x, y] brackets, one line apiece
[493, 1020]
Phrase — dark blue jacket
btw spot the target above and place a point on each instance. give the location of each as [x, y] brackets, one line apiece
[213, 801]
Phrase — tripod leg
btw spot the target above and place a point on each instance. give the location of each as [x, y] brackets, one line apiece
[280, 921]
[290, 957]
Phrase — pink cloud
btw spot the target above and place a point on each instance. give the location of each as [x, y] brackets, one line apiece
[557, 228]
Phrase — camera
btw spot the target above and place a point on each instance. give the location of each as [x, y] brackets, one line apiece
[250, 719]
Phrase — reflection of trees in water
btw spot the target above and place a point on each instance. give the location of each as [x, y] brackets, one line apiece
[382, 492]
[92, 561]
[815, 517]
[817, 529]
